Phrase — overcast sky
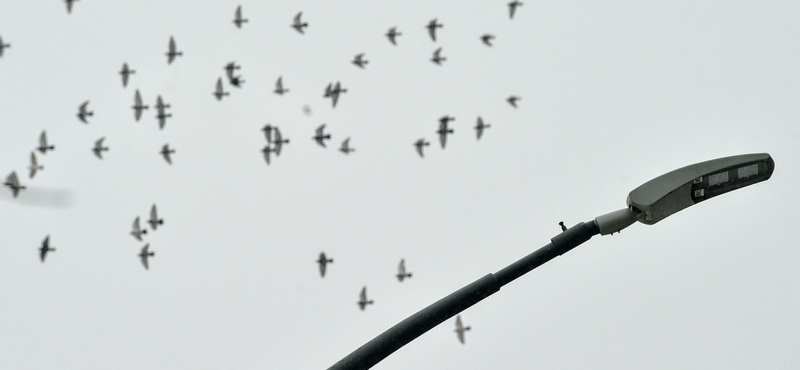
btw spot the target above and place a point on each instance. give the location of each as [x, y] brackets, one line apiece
[613, 93]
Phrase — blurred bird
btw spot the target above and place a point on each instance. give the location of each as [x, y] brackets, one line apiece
[13, 183]
[125, 72]
[444, 130]
[279, 141]
[162, 115]
[512, 8]
[420, 144]
[563, 227]
[69, 5]
[437, 57]
[45, 248]
[392, 35]
[237, 19]
[266, 150]
[137, 231]
[362, 299]
[298, 24]
[401, 271]
[137, 106]
[480, 126]
[3, 46]
[268, 129]
[320, 136]
[98, 148]
[218, 92]
[172, 52]
[34, 165]
[360, 61]
[279, 86]
[234, 80]
[487, 39]
[432, 26]
[323, 262]
[43, 147]
[513, 100]
[154, 221]
[333, 92]
[144, 254]
[166, 152]
[345, 148]
[83, 112]
[460, 329]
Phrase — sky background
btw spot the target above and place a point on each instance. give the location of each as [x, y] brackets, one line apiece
[614, 93]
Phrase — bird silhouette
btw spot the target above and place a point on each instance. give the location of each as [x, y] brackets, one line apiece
[279, 87]
[218, 91]
[237, 19]
[3, 46]
[401, 271]
[320, 136]
[392, 35]
[460, 329]
[360, 61]
[35, 166]
[172, 52]
[345, 148]
[43, 147]
[480, 126]
[137, 231]
[513, 100]
[512, 8]
[298, 24]
[45, 248]
[162, 115]
[98, 148]
[487, 39]
[125, 72]
[437, 57]
[421, 143]
[166, 152]
[362, 299]
[13, 183]
[83, 112]
[145, 254]
[443, 130]
[323, 262]
[154, 221]
[432, 26]
[69, 5]
[137, 106]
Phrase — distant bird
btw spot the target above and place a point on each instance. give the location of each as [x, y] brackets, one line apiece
[437, 57]
[487, 39]
[513, 100]
[279, 86]
[401, 271]
[266, 150]
[45, 248]
[420, 144]
[432, 26]
[444, 130]
[83, 112]
[334, 92]
[154, 221]
[166, 152]
[137, 231]
[172, 52]
[345, 148]
[218, 92]
[512, 8]
[320, 136]
[236, 81]
[460, 329]
[13, 183]
[268, 130]
[137, 106]
[43, 147]
[230, 68]
[35, 166]
[298, 24]
[392, 35]
[323, 262]
[362, 299]
[237, 19]
[98, 148]
[69, 5]
[279, 141]
[480, 126]
[563, 227]
[144, 254]
[125, 72]
[360, 61]
[3, 46]
[162, 115]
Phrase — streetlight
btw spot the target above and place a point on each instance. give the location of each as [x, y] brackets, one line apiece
[651, 202]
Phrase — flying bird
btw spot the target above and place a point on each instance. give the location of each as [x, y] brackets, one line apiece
[401, 271]
[162, 115]
[421, 143]
[362, 299]
[35, 166]
[43, 147]
[480, 126]
[137, 106]
[432, 26]
[230, 68]
[137, 231]
[69, 5]
[333, 92]
[98, 148]
[172, 52]
[444, 130]
[266, 150]
[279, 141]
[345, 148]
[487, 39]
[323, 262]
[460, 329]
[512, 8]
[298, 24]
[392, 35]
[279, 86]
[513, 100]
[268, 130]
[320, 136]
[237, 19]
[144, 254]
[218, 92]
[166, 152]
[83, 112]
[125, 72]
[563, 227]
[45, 248]
[360, 61]
[3, 46]
[13, 183]
[154, 221]
[437, 57]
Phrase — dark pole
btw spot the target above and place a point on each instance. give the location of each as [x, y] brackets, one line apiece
[415, 325]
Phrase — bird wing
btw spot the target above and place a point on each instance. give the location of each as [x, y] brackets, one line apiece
[153, 214]
[43, 140]
[143, 255]
[432, 29]
[401, 268]
[363, 295]
[165, 153]
[418, 144]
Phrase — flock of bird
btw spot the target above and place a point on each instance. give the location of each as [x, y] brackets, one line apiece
[274, 138]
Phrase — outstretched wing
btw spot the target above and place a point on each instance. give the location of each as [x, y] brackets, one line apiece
[144, 254]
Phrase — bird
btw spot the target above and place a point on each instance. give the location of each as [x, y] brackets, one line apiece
[323, 262]
[237, 19]
[279, 141]
[3, 46]
[144, 254]
[172, 52]
[83, 112]
[69, 5]
[460, 329]
[362, 299]
[392, 35]
[333, 92]
[13, 183]
[487, 39]
[137, 231]
[45, 248]
[444, 130]
[513, 100]
[98, 148]
[512, 8]
[268, 130]
[137, 106]
[218, 92]
[432, 26]
[320, 136]
[162, 115]
[563, 227]
[480, 126]
[345, 148]
[437, 57]
[360, 61]
[43, 147]
[299, 25]
[279, 86]
[266, 150]
[166, 152]
[401, 271]
[154, 221]
[34, 165]
[420, 144]
[234, 80]
[125, 72]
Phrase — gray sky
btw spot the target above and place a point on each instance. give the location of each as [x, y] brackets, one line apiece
[613, 94]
